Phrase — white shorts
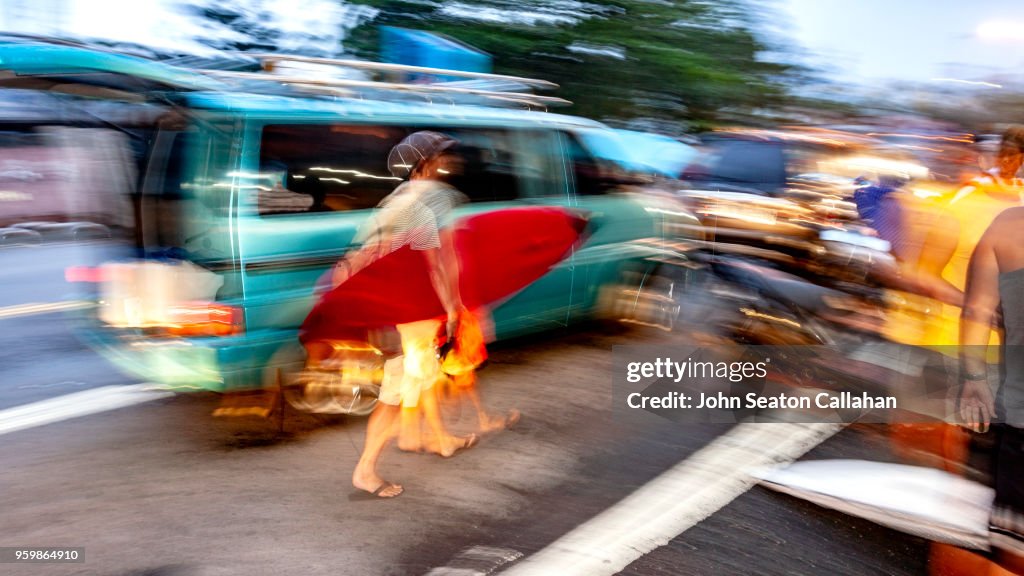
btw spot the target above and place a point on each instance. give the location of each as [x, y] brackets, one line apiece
[417, 369]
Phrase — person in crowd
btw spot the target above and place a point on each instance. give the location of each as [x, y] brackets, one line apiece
[996, 282]
[937, 238]
[992, 281]
[413, 215]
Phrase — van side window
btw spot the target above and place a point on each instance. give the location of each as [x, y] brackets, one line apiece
[542, 165]
[490, 164]
[324, 168]
[308, 168]
[586, 169]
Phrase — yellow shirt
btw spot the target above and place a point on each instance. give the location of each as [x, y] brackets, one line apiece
[974, 207]
[923, 321]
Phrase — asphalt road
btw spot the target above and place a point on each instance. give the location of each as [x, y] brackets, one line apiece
[39, 356]
[34, 274]
[162, 488]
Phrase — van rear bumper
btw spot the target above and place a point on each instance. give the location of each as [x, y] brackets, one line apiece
[216, 364]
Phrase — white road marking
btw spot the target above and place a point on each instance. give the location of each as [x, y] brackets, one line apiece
[42, 308]
[477, 561]
[82, 403]
[63, 384]
[674, 501]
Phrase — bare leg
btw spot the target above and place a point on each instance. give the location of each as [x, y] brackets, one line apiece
[442, 443]
[421, 370]
[465, 386]
[379, 431]
[408, 422]
[410, 430]
[487, 422]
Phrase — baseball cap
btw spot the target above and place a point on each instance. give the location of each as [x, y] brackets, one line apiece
[416, 148]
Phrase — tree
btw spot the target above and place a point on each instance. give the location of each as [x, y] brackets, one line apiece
[311, 27]
[616, 59]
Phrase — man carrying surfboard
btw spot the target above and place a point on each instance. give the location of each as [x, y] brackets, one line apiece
[411, 216]
[416, 274]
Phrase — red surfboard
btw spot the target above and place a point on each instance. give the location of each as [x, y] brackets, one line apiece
[500, 253]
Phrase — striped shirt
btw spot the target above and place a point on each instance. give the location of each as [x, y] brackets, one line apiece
[411, 215]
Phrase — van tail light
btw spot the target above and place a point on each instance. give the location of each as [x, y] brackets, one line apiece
[87, 274]
[204, 319]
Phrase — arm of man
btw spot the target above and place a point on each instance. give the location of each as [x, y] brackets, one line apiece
[358, 259]
[444, 275]
[375, 238]
[977, 405]
[937, 248]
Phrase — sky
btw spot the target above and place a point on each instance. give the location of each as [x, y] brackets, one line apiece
[914, 40]
[857, 41]
[166, 25]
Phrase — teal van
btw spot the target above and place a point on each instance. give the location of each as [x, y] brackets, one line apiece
[249, 190]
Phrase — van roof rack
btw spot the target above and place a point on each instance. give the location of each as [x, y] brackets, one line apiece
[493, 87]
[269, 60]
[438, 88]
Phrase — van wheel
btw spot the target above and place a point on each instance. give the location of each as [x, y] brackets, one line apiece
[346, 382]
[645, 295]
[328, 392]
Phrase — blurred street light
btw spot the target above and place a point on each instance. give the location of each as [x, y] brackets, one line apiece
[968, 82]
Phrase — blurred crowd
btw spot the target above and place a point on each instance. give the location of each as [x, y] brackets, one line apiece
[943, 282]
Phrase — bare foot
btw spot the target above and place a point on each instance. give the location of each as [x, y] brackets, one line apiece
[450, 445]
[376, 485]
[410, 446]
[454, 443]
[430, 444]
[489, 424]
